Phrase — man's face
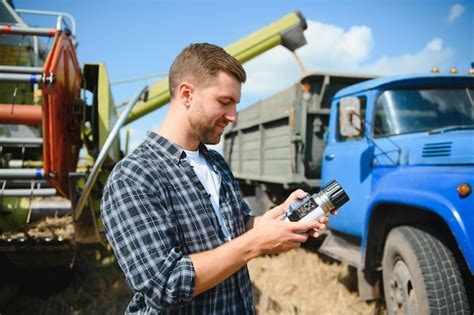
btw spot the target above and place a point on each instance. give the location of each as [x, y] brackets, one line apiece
[213, 107]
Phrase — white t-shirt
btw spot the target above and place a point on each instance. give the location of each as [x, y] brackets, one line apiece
[211, 182]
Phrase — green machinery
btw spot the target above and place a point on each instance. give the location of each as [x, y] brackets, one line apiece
[56, 146]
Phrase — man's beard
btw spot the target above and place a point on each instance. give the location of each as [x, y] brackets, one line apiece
[206, 134]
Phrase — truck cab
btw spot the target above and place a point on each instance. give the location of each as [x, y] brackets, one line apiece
[403, 149]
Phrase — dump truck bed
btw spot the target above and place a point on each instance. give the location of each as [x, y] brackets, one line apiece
[280, 139]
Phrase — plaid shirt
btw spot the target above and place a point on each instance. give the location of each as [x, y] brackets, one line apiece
[156, 213]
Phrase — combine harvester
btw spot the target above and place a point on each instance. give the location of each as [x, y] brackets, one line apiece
[57, 146]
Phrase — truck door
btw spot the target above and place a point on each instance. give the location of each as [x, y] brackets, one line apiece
[347, 159]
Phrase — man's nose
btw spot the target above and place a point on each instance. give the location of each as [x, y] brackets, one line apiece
[231, 115]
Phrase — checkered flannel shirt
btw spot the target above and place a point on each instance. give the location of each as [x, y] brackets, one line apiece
[156, 213]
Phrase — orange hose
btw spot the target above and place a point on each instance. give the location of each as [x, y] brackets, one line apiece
[20, 114]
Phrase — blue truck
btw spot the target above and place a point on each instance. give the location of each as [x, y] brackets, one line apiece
[403, 149]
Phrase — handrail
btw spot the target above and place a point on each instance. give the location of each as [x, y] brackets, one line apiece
[59, 20]
[103, 154]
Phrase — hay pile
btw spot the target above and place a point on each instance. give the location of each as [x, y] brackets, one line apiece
[300, 282]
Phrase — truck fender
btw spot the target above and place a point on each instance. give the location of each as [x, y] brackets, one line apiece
[396, 193]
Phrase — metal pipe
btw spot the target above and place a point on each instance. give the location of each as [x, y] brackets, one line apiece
[127, 140]
[287, 31]
[39, 192]
[36, 51]
[103, 154]
[71, 19]
[24, 164]
[21, 114]
[21, 142]
[21, 30]
[25, 70]
[13, 77]
[21, 183]
[59, 22]
[23, 173]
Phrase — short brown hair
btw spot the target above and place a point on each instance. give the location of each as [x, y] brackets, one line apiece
[201, 62]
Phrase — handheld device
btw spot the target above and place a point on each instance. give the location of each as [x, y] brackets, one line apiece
[313, 207]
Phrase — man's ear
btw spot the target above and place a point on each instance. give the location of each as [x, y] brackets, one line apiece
[185, 93]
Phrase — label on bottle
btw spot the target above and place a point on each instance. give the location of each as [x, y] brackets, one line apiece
[298, 210]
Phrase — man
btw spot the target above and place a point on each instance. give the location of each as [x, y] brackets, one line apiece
[172, 210]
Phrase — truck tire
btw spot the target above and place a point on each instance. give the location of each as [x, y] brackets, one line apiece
[420, 275]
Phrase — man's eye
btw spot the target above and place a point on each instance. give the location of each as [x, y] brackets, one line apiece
[224, 103]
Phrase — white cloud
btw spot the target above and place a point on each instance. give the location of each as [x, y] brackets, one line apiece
[272, 70]
[455, 12]
[436, 44]
[433, 54]
[329, 48]
[333, 49]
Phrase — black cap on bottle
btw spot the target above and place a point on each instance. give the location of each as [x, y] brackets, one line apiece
[336, 194]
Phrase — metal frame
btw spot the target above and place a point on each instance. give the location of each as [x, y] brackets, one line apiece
[24, 70]
[103, 154]
[59, 21]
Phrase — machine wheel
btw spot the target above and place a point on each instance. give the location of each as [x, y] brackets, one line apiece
[420, 275]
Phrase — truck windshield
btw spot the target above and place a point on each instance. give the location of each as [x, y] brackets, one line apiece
[414, 110]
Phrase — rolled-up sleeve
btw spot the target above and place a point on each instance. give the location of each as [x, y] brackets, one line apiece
[142, 233]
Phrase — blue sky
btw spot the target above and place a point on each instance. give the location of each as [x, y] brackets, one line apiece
[141, 37]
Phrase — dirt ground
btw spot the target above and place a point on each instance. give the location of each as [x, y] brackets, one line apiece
[297, 282]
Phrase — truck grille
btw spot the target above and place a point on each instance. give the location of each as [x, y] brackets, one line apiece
[436, 149]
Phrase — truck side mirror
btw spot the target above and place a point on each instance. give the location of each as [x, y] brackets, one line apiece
[350, 124]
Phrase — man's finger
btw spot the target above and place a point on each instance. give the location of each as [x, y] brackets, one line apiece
[324, 220]
[299, 194]
[276, 212]
[296, 244]
[295, 196]
[313, 233]
[304, 225]
[299, 237]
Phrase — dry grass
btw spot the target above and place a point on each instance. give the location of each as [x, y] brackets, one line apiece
[50, 227]
[299, 282]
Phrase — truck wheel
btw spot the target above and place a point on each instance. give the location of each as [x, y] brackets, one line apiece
[420, 275]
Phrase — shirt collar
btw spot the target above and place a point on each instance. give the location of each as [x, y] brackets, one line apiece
[205, 151]
[175, 151]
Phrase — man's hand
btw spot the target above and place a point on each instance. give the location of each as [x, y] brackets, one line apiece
[280, 210]
[274, 235]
